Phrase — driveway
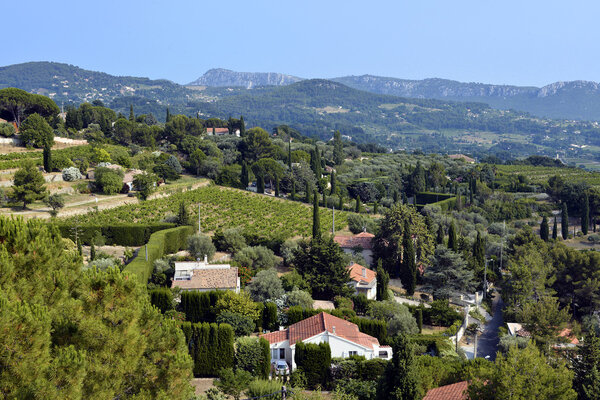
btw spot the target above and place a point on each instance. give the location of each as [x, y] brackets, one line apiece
[487, 343]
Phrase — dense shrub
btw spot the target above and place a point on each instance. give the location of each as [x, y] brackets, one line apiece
[258, 257]
[253, 355]
[200, 246]
[108, 180]
[263, 387]
[314, 361]
[373, 327]
[359, 223]
[71, 174]
[199, 306]
[162, 242]
[120, 235]
[162, 298]
[269, 317]
[211, 347]
[241, 324]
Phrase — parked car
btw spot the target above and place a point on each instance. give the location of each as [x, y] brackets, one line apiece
[281, 368]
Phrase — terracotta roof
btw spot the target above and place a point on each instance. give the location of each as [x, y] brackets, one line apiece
[320, 323]
[210, 279]
[456, 391]
[356, 273]
[323, 305]
[217, 130]
[568, 334]
[363, 239]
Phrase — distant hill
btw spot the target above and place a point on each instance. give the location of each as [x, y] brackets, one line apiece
[219, 77]
[571, 100]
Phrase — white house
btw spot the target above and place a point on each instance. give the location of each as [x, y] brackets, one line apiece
[202, 276]
[363, 280]
[344, 339]
[362, 241]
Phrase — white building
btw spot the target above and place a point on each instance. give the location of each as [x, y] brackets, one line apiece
[363, 243]
[363, 280]
[202, 276]
[344, 339]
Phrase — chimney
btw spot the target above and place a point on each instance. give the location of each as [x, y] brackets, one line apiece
[205, 259]
[333, 329]
[364, 272]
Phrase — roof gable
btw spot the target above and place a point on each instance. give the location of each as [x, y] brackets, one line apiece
[356, 273]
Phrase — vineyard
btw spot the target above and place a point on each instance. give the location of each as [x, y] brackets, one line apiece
[223, 208]
[540, 175]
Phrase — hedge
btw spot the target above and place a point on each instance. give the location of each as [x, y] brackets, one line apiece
[447, 205]
[199, 306]
[162, 298]
[432, 197]
[119, 235]
[210, 346]
[162, 242]
[372, 327]
[297, 313]
[314, 360]
[436, 343]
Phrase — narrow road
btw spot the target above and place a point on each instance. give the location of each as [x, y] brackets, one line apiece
[487, 343]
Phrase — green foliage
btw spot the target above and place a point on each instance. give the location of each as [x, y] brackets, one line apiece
[35, 131]
[200, 246]
[199, 306]
[253, 356]
[322, 264]
[448, 275]
[544, 229]
[231, 240]
[163, 242]
[408, 274]
[233, 383]
[20, 104]
[55, 202]
[120, 235]
[400, 379]
[210, 346]
[524, 374]
[28, 185]
[373, 327]
[256, 257]
[145, 184]
[241, 324]
[383, 279]
[314, 361]
[265, 285]
[587, 368]
[269, 317]
[6, 129]
[108, 180]
[238, 303]
[162, 298]
[358, 223]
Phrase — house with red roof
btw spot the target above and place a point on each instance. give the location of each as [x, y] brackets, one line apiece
[363, 280]
[363, 242]
[344, 339]
[456, 391]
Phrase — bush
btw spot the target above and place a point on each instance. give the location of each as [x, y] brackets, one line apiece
[6, 130]
[300, 298]
[200, 246]
[108, 180]
[231, 240]
[358, 223]
[163, 242]
[507, 341]
[314, 360]
[361, 390]
[241, 324]
[60, 161]
[71, 174]
[372, 327]
[269, 317]
[265, 285]
[257, 257]
[262, 387]
[162, 298]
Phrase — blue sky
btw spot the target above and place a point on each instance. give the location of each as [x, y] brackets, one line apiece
[526, 42]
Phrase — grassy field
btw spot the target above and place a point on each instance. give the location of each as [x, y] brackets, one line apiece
[223, 208]
[541, 174]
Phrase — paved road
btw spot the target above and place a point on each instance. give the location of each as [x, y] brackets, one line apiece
[487, 343]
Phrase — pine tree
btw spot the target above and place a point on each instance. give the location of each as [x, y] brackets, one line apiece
[92, 252]
[452, 239]
[168, 117]
[587, 368]
[316, 231]
[440, 234]
[555, 229]
[383, 279]
[47, 155]
[544, 230]
[409, 265]
[585, 215]
[245, 177]
[131, 114]
[564, 222]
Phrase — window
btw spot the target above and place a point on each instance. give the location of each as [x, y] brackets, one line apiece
[383, 354]
[274, 353]
[353, 353]
[282, 354]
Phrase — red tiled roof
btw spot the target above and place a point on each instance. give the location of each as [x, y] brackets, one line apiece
[363, 239]
[210, 279]
[217, 130]
[568, 334]
[456, 391]
[356, 273]
[320, 323]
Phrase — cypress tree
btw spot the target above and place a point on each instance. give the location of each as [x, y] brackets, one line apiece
[471, 197]
[479, 251]
[324, 199]
[183, 217]
[555, 230]
[307, 193]
[383, 279]
[47, 155]
[440, 234]
[168, 117]
[395, 197]
[564, 221]
[408, 260]
[131, 114]
[420, 319]
[242, 126]
[245, 177]
[452, 240]
[92, 252]
[260, 184]
[293, 195]
[276, 187]
[290, 154]
[341, 203]
[544, 230]
[333, 188]
[79, 248]
[375, 207]
[316, 231]
[587, 368]
[358, 205]
[400, 380]
[585, 216]
[404, 198]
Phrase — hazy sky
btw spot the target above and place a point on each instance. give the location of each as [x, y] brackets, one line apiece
[525, 42]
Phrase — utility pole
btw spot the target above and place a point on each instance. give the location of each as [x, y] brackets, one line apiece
[333, 220]
[502, 242]
[199, 224]
[485, 278]
[475, 347]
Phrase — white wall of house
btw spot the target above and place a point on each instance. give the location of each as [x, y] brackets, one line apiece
[371, 293]
[367, 255]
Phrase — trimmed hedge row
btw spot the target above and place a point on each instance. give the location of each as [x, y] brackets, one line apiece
[314, 360]
[373, 327]
[448, 204]
[297, 313]
[199, 306]
[210, 346]
[162, 242]
[436, 343]
[432, 197]
[120, 235]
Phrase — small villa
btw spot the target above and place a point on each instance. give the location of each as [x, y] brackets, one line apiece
[363, 280]
[203, 277]
[344, 339]
[362, 242]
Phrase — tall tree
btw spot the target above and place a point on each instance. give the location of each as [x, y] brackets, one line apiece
[293, 194]
[400, 381]
[358, 205]
[587, 368]
[322, 264]
[448, 275]
[383, 279]
[544, 229]
[555, 229]
[338, 148]
[36, 132]
[131, 114]
[47, 157]
[168, 117]
[452, 239]
[315, 161]
[307, 193]
[28, 185]
[585, 214]
[242, 126]
[183, 216]
[21, 104]
[564, 221]
[409, 264]
[316, 230]
[479, 251]
[290, 154]
[260, 184]
[440, 234]
[245, 177]
[332, 182]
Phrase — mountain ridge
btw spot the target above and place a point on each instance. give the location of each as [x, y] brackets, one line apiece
[221, 77]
